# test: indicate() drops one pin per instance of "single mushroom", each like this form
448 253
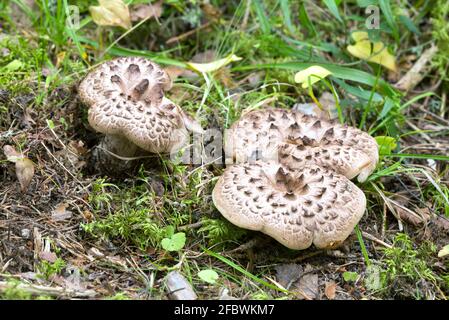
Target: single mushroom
127 103
295 139
295 207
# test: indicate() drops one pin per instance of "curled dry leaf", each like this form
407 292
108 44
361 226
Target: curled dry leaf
12 154
24 166
444 252
60 213
330 290
146 11
24 172
111 13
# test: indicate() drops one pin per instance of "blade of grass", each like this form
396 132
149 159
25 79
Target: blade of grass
362 246
243 271
344 73
119 51
285 8
333 8
385 6
304 18
417 156
263 20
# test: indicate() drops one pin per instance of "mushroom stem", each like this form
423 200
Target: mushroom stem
112 152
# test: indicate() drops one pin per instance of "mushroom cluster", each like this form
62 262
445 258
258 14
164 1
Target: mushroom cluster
291 177
127 103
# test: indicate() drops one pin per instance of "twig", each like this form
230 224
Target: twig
52 291
373 238
187 34
191 226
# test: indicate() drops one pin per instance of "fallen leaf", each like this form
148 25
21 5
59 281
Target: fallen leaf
214 65
375 52
286 274
60 213
24 172
111 13
308 286
311 75
330 290
60 58
12 154
48 256
444 252
144 11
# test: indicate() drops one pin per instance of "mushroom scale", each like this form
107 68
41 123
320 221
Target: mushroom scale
295 207
126 98
295 139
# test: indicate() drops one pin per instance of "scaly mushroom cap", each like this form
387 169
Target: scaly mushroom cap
295 207
296 139
126 97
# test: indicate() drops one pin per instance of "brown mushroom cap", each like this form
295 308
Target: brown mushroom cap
296 139
295 207
126 97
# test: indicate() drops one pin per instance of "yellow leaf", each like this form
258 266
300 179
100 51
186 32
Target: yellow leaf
444 252
111 13
214 65
371 51
314 73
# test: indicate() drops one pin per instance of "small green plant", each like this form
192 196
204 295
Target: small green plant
135 226
217 231
173 241
14 292
99 196
208 275
48 269
118 296
350 276
407 266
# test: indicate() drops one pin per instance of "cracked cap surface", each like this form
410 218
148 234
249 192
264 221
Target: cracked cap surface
295 207
126 97
295 139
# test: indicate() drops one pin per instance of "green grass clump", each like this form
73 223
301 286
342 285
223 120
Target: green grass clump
13 292
135 226
218 231
408 269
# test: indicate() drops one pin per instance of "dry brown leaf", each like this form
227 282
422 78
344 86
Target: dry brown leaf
146 11
308 286
330 290
24 172
48 256
12 154
61 213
